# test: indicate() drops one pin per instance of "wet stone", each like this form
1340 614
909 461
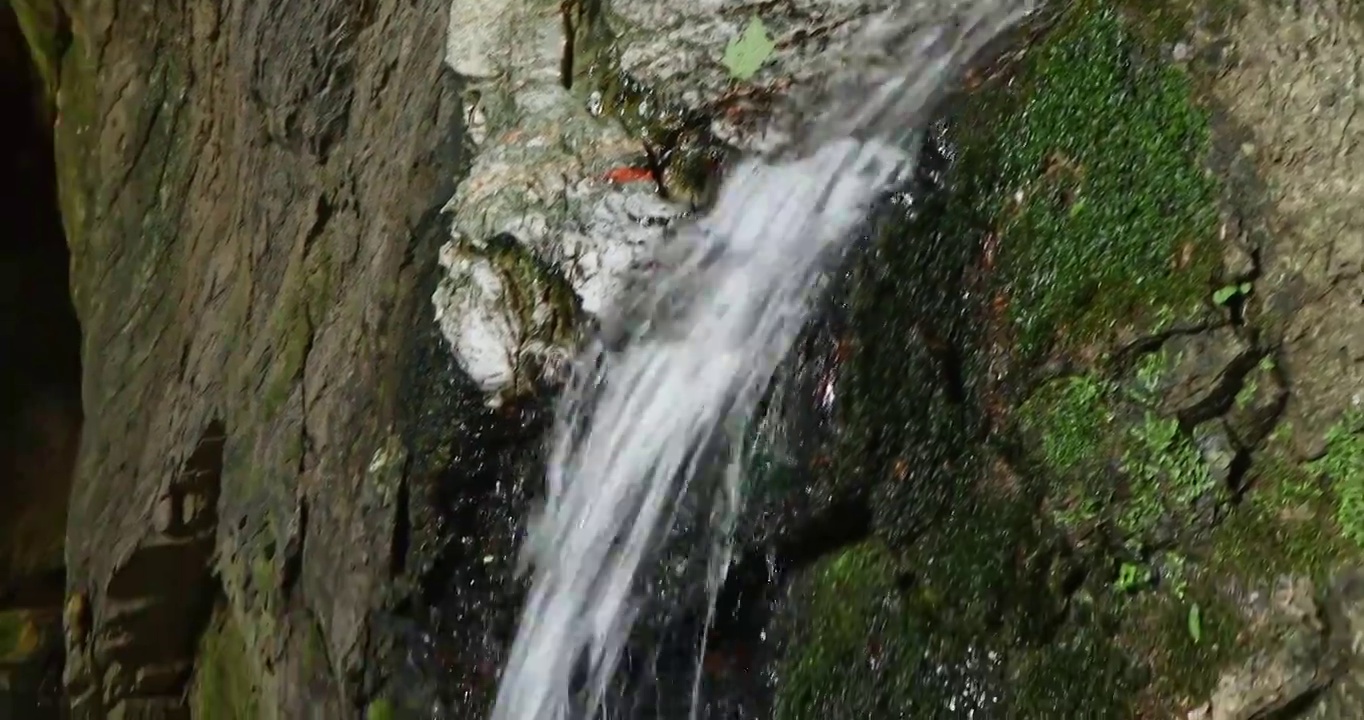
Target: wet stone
1203 369
1292 667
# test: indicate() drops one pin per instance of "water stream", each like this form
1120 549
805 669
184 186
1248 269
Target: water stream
694 348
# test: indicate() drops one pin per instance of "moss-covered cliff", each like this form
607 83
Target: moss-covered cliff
1138 531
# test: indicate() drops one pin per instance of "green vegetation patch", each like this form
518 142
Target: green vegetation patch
1090 170
1166 473
1185 638
380 709
1110 459
1284 524
44 27
1343 467
18 635
835 664
225 685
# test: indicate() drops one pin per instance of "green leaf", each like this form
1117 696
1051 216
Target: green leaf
746 53
1227 292
1195 623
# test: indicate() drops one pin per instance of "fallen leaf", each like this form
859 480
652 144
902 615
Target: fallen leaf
746 53
628 174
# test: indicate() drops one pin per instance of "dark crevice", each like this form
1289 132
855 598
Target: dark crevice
1221 399
293 551
1127 356
159 602
1238 472
1296 708
40 590
40 375
402 531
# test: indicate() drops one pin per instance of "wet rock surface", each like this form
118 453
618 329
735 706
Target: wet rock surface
1076 435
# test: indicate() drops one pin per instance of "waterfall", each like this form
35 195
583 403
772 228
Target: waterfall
688 354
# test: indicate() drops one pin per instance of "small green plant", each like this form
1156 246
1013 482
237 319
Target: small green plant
1149 371
1175 575
1343 466
1132 577
1249 390
1166 471
1224 294
380 709
1195 623
747 52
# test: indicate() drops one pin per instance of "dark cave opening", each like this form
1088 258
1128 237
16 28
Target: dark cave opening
40 394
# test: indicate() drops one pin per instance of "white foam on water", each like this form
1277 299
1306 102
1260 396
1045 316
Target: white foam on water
701 342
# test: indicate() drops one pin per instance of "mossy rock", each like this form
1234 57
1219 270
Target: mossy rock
45 29
1343 468
1088 171
1085 178
226 683
1109 462
854 652
20 635
30 664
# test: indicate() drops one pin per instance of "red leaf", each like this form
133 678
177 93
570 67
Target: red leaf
627 174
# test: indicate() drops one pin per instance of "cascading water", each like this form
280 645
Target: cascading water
697 345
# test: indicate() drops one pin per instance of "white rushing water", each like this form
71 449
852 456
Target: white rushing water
699 343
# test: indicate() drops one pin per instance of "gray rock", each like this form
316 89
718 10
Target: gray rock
1289 669
1310 146
1203 371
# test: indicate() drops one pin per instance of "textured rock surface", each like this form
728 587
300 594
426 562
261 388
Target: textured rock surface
250 194
1304 138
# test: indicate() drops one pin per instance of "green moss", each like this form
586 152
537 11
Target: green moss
74 141
1165 471
225 682
1343 467
1074 423
1086 428
18 636
1284 524
1184 656
847 598
293 333
1090 169
380 709
1077 674
44 27
1074 418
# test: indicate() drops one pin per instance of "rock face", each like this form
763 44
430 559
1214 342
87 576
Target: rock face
1304 147
250 194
